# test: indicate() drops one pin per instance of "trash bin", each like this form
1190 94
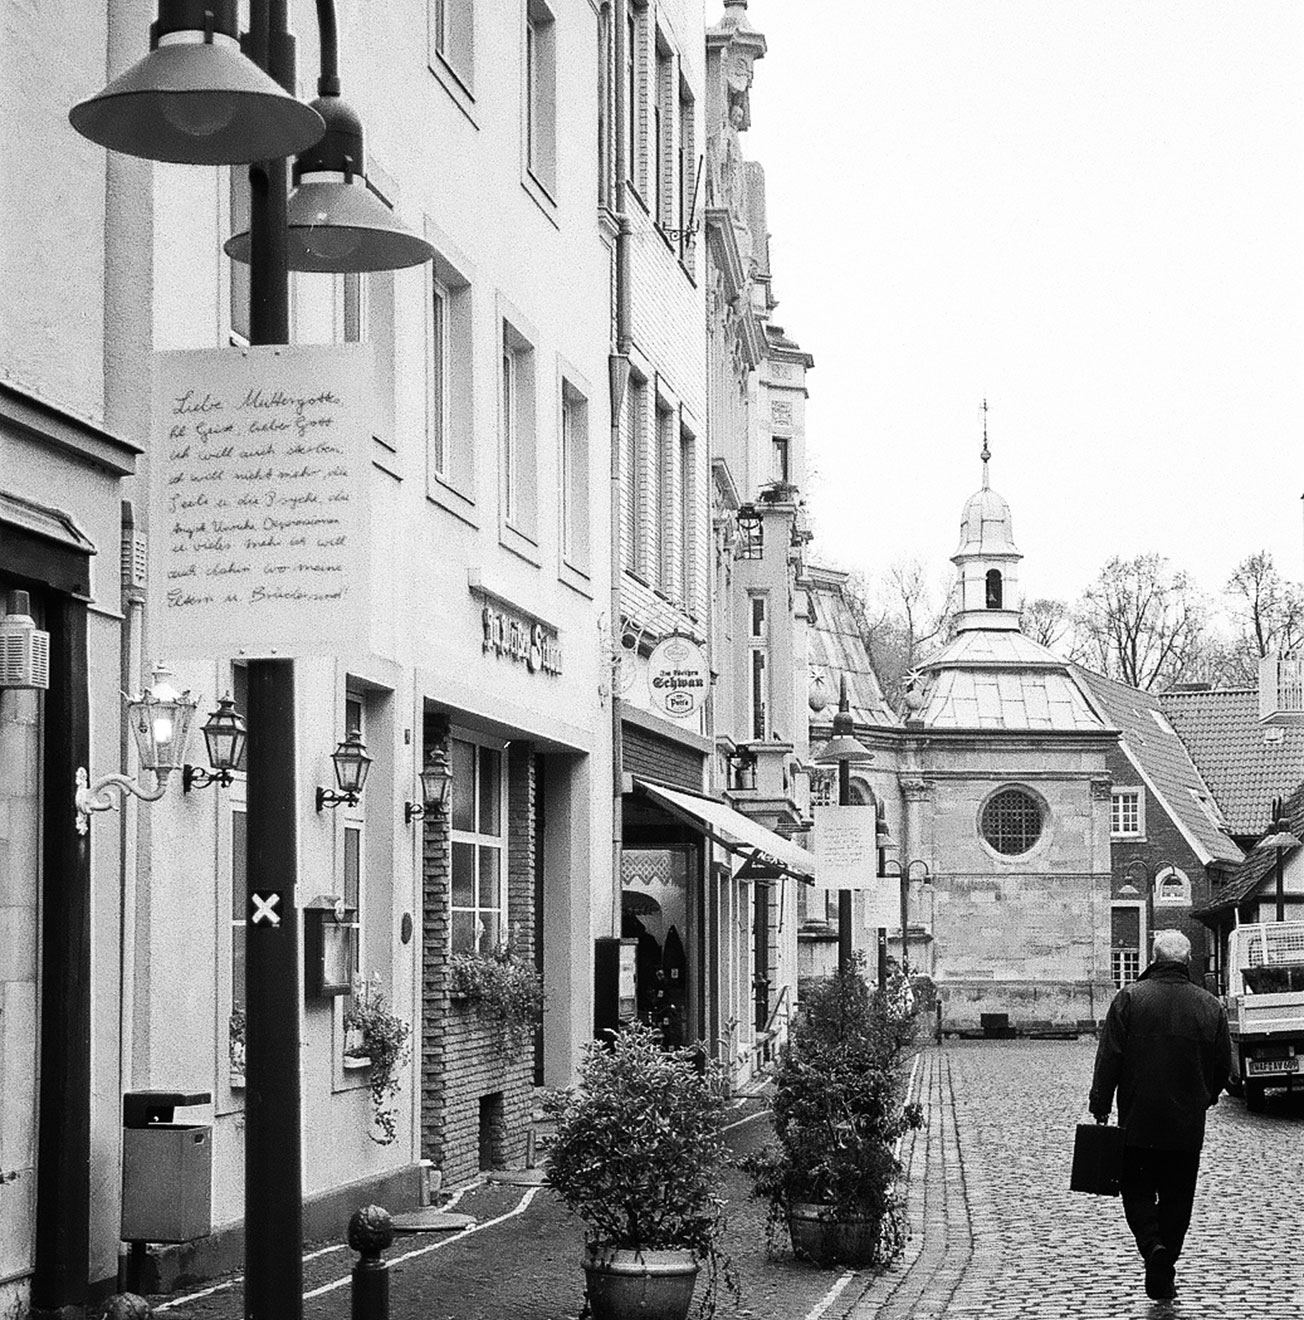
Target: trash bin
167 1168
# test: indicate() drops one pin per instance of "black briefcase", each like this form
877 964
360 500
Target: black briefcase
1097 1159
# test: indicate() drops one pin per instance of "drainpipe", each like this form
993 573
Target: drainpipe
618 373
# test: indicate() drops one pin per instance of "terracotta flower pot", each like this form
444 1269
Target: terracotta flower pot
639 1285
820 1235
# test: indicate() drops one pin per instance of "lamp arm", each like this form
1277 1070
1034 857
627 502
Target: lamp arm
95 797
328 81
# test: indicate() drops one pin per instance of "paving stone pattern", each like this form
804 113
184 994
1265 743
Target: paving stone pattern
997 1234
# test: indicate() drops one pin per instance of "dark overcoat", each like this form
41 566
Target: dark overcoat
1165 1048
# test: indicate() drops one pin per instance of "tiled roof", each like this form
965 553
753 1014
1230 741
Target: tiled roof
837 648
1001 680
1153 744
1245 764
1260 864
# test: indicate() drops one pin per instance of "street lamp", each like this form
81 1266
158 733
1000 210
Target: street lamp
843 750
160 722
904 875
351 765
204 107
1280 838
224 732
436 779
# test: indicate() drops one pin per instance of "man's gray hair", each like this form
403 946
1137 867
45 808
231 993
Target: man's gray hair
1172 946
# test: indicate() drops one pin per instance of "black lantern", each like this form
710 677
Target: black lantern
351 766
225 733
436 779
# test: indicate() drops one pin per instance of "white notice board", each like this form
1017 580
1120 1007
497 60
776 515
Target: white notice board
261 472
846 847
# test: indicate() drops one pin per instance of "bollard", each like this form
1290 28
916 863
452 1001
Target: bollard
125 1306
370 1232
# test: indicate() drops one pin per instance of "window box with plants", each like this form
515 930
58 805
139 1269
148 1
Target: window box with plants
503 990
831 1175
377 1038
638 1156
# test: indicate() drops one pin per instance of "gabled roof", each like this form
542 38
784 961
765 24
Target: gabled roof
1245 764
1152 745
837 648
1246 880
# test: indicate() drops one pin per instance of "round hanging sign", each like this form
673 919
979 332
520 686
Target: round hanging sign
678 676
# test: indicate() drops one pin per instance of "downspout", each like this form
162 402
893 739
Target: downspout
618 372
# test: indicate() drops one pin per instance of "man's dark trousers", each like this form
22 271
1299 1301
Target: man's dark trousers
1158 1190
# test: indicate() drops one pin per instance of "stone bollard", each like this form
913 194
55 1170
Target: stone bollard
370 1232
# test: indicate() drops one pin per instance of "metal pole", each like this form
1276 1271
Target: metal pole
273 1222
905 929
844 895
1281 889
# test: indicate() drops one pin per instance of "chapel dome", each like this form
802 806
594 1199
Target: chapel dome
986 527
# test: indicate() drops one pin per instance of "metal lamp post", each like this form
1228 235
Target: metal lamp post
197 99
903 873
1280 839
843 750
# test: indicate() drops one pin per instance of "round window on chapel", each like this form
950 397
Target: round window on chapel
1012 821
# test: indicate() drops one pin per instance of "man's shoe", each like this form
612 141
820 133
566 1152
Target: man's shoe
1160 1272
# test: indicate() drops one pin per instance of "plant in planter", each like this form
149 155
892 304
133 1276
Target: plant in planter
832 1175
505 991
382 1037
638 1157
236 1047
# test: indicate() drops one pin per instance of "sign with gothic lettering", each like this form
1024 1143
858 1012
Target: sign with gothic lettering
517 634
261 468
678 677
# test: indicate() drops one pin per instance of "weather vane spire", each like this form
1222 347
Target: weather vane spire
987 453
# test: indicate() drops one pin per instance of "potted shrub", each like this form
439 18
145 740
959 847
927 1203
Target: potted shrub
638 1156
505 991
831 1175
382 1039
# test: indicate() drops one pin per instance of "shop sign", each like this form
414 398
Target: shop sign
518 636
678 677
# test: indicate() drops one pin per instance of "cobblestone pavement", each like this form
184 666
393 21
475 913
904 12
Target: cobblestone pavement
995 1234
998 1236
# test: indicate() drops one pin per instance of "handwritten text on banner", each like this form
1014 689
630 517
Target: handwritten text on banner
261 469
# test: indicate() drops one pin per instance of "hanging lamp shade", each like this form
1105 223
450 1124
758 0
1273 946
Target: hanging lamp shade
196 98
336 224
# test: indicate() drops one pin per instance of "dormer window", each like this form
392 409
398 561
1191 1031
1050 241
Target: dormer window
995 590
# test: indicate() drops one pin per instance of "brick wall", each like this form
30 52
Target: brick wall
463 1074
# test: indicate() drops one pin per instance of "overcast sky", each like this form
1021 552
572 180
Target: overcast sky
1090 212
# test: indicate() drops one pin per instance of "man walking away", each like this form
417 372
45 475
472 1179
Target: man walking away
1166 1050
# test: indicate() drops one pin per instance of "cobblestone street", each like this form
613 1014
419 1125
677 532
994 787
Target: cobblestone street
997 1234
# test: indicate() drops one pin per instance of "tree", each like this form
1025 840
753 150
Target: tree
903 618
1267 613
1141 622
1047 621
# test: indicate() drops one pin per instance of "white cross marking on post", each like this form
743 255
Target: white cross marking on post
265 909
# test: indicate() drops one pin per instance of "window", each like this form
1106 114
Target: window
664 517
663 136
351 843
541 94
636 486
516 428
451 32
450 451
994 590
635 22
574 477
758 632
1012 821
239 217
1126 817
688 171
479 848
1124 944
239 904
781 469
687 520
1172 888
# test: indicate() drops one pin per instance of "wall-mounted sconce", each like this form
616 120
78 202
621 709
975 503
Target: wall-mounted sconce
351 766
160 722
435 778
225 734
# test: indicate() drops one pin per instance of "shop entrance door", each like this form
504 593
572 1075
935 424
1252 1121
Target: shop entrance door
658 907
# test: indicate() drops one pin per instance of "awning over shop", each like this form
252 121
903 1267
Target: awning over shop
734 831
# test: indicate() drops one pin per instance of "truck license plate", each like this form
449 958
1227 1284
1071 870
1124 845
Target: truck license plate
1274 1065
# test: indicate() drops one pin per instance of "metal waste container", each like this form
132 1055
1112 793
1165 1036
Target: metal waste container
167 1168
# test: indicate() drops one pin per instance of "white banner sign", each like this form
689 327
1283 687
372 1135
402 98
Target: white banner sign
883 904
261 462
846 847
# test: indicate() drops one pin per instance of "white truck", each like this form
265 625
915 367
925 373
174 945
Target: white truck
1265 1007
